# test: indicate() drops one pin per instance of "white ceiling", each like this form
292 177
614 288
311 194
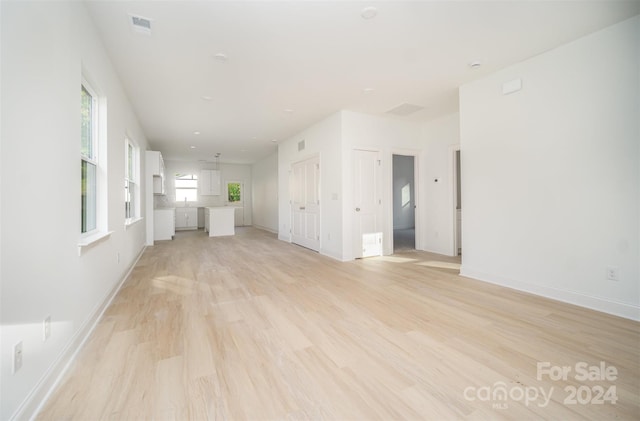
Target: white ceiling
315 58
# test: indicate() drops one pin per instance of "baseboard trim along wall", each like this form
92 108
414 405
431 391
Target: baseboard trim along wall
333 255
34 402
260 227
625 310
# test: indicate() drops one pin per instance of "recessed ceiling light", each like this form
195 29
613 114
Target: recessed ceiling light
369 13
475 64
196 133
288 110
192 147
221 57
206 98
274 140
367 90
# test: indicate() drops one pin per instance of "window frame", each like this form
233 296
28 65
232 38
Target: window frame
226 188
92 159
98 160
132 181
194 177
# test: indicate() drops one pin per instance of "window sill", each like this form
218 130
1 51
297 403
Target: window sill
92 239
130 222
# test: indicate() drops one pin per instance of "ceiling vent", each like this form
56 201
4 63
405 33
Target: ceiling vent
405 109
140 24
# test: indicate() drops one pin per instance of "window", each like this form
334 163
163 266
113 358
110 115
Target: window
406 194
186 187
234 192
93 167
88 159
131 182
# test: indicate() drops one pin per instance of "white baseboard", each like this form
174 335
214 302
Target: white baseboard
333 255
285 237
605 305
34 402
260 227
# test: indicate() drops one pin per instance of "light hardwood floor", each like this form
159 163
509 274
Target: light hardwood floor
249 327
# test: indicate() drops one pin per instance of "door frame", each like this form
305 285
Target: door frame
291 165
354 240
416 191
453 188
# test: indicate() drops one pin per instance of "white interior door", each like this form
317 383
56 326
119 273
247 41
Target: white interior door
305 203
366 197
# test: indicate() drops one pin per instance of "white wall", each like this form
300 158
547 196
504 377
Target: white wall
228 172
265 193
440 138
388 136
323 139
334 139
550 174
45 46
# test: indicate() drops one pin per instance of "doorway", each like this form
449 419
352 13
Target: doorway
404 203
457 203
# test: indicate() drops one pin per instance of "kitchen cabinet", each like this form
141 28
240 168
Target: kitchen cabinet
186 218
209 183
155 169
218 221
163 224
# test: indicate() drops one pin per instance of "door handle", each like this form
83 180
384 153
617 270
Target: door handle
357 209
303 207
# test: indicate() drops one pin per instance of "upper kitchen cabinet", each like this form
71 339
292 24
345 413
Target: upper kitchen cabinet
155 169
210 183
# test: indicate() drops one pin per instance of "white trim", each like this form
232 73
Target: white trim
616 308
308 245
260 227
136 196
91 239
333 255
417 218
99 158
132 221
35 400
355 251
454 198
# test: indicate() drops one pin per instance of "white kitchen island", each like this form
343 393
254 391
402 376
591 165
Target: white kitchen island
219 221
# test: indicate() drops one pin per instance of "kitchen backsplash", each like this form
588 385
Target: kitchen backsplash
168 201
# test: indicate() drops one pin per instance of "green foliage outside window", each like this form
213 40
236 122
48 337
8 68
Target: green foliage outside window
234 192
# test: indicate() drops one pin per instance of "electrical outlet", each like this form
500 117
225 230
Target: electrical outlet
17 357
613 273
46 328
